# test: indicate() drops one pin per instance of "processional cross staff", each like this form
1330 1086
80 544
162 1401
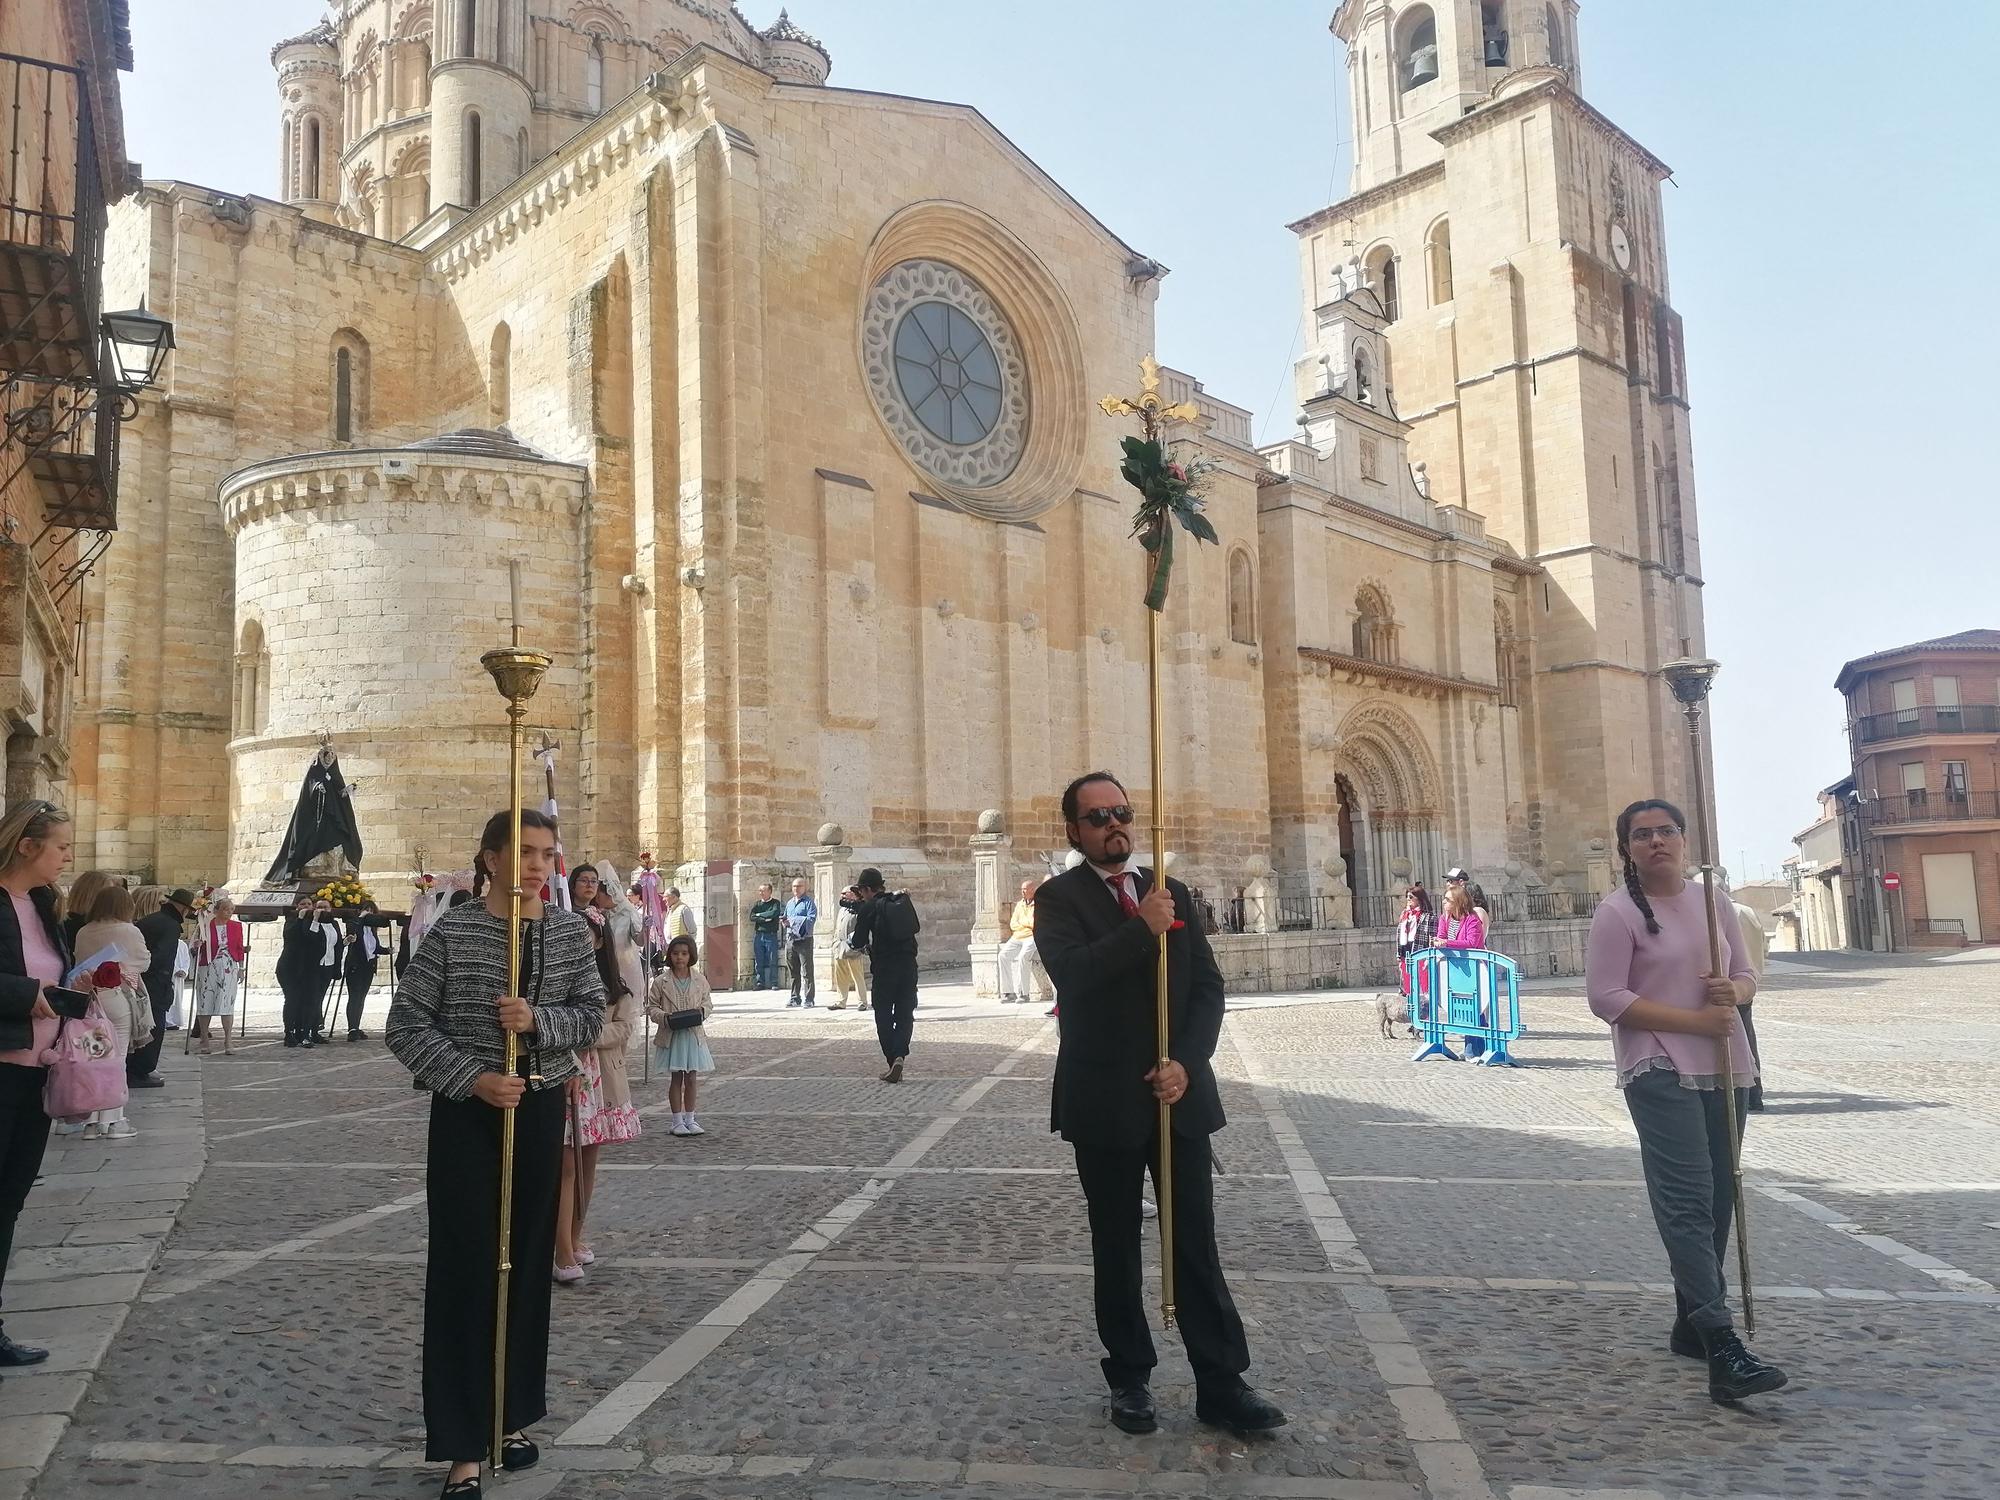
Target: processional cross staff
1170 492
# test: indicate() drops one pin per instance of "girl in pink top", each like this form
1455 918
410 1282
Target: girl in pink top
1649 976
34 851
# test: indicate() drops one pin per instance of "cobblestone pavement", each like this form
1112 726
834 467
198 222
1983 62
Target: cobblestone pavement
852 1289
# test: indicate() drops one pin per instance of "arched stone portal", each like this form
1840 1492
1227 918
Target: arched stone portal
1387 784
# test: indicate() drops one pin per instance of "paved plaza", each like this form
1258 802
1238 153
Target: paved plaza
848 1289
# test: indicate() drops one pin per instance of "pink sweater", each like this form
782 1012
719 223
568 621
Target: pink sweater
1469 931
1624 963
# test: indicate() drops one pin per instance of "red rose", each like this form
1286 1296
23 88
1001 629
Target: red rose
107 976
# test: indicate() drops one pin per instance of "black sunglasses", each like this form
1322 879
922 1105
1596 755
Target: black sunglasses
1104 817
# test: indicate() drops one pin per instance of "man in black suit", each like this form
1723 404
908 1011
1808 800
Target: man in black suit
1097 928
162 932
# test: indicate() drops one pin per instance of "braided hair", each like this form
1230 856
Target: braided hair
1632 886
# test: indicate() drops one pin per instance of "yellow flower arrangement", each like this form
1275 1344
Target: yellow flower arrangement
345 890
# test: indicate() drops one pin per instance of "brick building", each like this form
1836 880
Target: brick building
1923 800
62 161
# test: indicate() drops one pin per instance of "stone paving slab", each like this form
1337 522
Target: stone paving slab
941 1342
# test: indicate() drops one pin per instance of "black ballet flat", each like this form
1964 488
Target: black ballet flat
461 1489
519 1452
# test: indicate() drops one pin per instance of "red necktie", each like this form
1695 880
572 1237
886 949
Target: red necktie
1125 902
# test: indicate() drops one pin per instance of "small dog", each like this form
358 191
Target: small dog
1391 1011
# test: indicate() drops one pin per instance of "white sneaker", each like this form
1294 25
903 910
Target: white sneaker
679 1127
693 1127
121 1130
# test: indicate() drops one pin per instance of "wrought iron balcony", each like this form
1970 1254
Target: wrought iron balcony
1904 809
52 219
1911 723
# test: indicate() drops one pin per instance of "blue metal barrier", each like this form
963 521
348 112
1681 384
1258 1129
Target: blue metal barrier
1466 992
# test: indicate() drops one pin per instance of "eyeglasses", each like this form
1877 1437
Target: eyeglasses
1653 835
1104 817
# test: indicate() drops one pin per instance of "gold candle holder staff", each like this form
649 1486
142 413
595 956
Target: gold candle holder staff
517 673
1691 680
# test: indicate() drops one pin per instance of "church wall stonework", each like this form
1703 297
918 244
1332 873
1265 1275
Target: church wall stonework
767 614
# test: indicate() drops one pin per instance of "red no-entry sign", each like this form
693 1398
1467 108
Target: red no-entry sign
1892 881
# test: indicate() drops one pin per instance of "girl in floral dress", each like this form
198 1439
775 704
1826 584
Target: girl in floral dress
604 1112
682 1052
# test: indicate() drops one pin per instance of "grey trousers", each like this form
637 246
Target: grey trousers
1684 1147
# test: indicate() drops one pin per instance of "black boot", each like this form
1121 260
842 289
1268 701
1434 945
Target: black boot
1684 1340
1733 1371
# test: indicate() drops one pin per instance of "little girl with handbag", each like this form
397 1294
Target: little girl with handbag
679 1001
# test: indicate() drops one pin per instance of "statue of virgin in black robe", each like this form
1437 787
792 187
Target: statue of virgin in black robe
323 820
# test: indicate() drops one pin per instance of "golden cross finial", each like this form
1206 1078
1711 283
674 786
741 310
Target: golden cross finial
1147 405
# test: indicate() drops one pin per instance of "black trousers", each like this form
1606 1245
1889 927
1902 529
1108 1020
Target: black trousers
301 1000
359 978
895 1003
799 965
147 1058
1207 1314
24 1133
462 1278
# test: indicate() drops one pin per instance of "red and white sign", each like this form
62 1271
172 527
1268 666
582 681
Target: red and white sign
1892 881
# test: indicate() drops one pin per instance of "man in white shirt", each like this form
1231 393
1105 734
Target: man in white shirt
364 952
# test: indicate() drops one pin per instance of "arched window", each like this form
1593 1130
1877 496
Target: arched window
1663 350
500 375
1437 258
288 167
1380 269
1364 376
252 701
343 398
1631 332
309 182
1374 626
593 74
1242 599
468 27
1417 49
473 155
1506 661
521 159
350 386
1558 50
1493 32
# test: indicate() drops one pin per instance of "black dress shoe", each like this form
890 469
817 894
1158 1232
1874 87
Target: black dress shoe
467 1488
357 1035
518 1451
291 1041
1733 1371
1132 1410
1237 1409
13 1354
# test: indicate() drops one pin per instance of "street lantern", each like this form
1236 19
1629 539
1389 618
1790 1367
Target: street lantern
138 343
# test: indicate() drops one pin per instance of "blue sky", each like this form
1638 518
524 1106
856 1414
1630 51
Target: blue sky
1832 236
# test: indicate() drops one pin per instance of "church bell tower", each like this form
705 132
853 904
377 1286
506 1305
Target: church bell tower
1514 238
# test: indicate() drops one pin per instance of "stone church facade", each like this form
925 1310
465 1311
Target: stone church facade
785 396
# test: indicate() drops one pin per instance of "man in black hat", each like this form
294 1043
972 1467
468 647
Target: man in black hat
1097 928
162 932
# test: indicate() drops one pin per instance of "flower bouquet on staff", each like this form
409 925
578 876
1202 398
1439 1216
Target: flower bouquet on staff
1169 491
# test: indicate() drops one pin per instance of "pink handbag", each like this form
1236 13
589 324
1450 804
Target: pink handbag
86 1072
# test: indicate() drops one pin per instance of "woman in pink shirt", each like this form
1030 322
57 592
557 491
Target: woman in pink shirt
34 851
1648 972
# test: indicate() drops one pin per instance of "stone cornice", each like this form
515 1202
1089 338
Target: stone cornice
1427 684
1551 90
316 481
1369 198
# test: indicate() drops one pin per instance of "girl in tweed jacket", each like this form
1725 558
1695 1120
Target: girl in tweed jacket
448 1025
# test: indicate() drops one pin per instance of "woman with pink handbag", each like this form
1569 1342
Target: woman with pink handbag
34 851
